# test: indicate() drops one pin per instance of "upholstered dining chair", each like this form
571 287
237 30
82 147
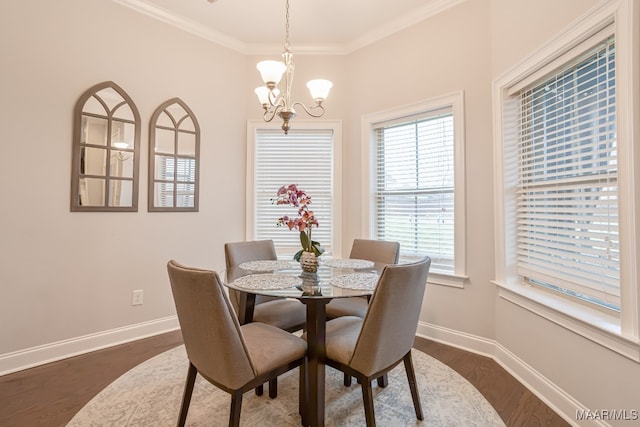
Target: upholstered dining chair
370 347
289 315
232 357
380 251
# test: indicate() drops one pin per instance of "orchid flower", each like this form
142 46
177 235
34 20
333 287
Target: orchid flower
292 196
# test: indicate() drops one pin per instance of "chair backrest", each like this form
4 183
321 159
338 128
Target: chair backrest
236 253
375 250
390 325
210 329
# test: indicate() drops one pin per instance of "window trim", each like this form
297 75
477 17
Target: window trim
454 101
622 334
253 126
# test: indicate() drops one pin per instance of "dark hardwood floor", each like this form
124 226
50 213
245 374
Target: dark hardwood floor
515 404
50 395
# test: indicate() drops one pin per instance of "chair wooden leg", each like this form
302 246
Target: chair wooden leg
347 380
273 388
186 397
259 390
411 377
236 407
367 398
383 381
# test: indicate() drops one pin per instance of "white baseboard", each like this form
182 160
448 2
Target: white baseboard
35 356
557 399
461 340
553 396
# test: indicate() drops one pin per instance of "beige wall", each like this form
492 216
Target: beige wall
58 286
596 377
519 27
447 53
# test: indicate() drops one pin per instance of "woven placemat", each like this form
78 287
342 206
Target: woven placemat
359 281
267 281
265 265
350 263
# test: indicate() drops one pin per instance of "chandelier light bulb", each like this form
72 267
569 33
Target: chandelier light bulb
271 72
266 96
319 89
263 94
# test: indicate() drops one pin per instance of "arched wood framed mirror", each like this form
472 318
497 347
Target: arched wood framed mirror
106 146
174 158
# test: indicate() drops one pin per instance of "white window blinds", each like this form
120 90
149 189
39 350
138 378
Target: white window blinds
304 157
567 205
415 186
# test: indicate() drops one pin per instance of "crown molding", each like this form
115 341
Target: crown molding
432 8
298 49
429 10
184 24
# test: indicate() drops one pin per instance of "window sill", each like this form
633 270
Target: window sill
594 325
451 280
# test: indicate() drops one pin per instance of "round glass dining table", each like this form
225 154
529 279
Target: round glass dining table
335 278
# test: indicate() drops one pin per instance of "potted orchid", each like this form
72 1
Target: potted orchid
291 195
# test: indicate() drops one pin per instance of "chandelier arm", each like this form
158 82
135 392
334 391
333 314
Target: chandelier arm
310 110
271 113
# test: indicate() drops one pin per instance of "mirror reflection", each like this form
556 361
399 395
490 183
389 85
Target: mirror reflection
105 151
173 158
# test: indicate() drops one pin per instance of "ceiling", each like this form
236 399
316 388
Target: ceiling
316 26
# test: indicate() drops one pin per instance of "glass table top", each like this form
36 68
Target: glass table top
335 278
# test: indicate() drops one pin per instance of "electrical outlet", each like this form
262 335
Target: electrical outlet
136 297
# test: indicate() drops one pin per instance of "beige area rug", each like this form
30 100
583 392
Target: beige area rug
150 395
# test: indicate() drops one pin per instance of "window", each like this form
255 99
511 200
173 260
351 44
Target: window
174 154
567 207
418 178
309 157
566 196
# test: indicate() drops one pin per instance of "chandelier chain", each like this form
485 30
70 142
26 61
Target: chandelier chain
286 32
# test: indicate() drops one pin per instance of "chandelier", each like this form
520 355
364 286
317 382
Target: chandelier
279 104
